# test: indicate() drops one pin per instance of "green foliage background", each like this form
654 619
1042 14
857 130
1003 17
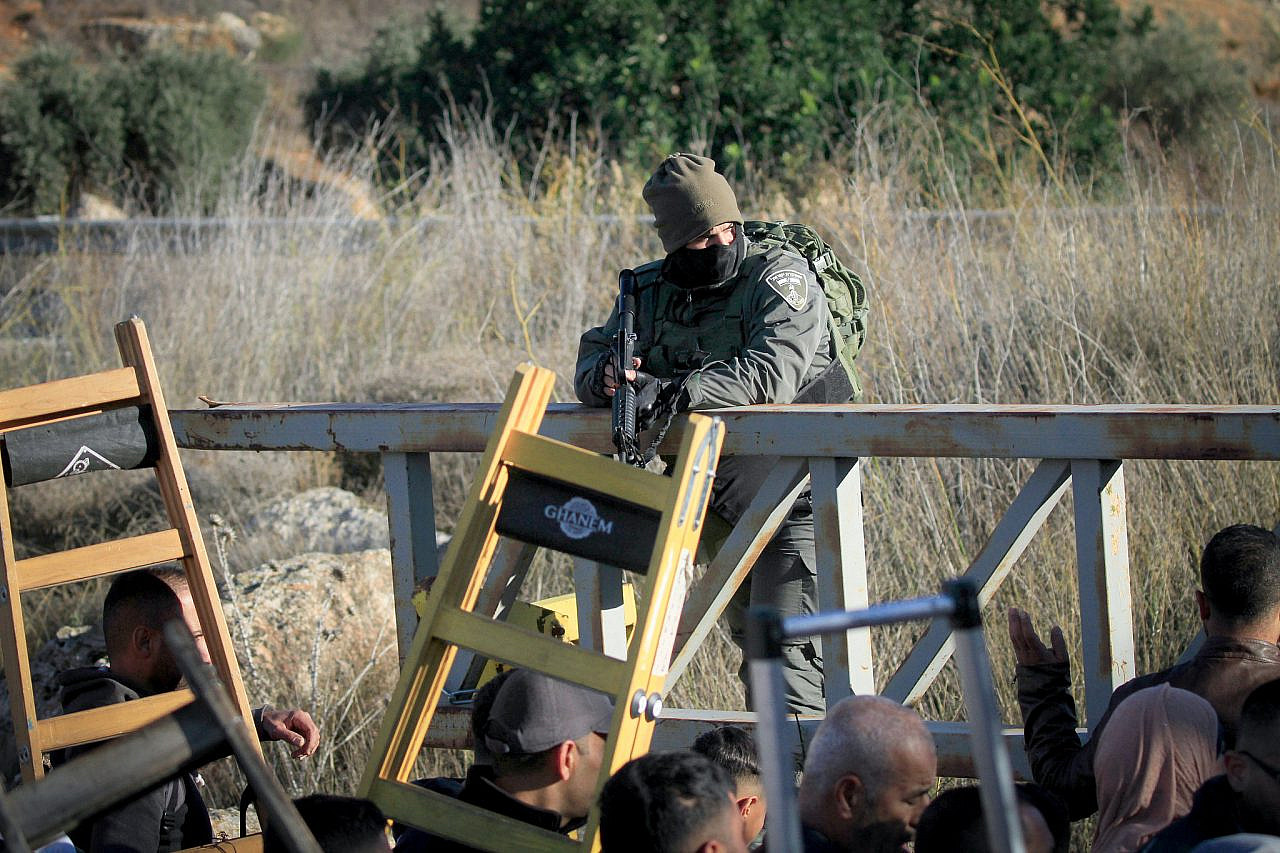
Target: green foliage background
145 130
748 82
769 90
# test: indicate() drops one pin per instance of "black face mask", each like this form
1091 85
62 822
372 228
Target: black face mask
693 268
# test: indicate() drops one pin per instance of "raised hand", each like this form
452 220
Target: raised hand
1028 648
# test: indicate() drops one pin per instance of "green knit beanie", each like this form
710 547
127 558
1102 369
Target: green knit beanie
688 197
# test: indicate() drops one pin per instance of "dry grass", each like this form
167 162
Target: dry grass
1166 295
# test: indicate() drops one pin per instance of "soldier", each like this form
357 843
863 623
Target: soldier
721 321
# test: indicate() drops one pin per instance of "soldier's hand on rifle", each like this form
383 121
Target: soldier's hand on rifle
647 390
656 399
610 375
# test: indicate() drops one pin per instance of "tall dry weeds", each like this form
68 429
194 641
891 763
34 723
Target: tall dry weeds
1165 293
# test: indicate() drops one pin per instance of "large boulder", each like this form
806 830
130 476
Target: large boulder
326 519
310 616
316 631
226 32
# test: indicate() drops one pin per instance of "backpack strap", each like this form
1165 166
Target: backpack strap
170 831
832 385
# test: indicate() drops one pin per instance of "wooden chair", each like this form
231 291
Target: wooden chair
546 493
23 413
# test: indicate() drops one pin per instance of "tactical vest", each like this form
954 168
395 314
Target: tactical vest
680 331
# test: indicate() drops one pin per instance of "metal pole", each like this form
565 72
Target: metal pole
999 802
877 614
200 676
764 653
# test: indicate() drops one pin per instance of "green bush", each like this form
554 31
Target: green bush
749 83
60 133
998 72
148 128
1173 81
188 118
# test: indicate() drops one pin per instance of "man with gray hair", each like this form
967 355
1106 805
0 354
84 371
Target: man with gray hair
867 778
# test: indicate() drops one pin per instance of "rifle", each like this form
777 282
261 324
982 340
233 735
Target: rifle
624 399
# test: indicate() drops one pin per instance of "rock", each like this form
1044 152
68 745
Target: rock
246 39
328 520
311 611
227 33
97 208
276 28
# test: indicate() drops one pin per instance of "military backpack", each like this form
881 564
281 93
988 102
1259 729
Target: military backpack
845 293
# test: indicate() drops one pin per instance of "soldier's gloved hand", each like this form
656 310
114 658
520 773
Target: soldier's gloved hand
647 388
654 400
597 381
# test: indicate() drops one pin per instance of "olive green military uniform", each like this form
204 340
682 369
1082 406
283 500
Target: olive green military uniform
759 337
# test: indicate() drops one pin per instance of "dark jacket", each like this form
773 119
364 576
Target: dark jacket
1224 671
1212 815
480 790
811 841
749 340
170 817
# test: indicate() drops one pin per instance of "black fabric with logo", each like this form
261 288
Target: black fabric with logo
577 521
118 439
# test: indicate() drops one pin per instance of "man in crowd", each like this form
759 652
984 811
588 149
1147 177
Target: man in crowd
735 750
1239 605
1247 797
134 613
867 778
954 821
724 322
670 802
547 740
338 824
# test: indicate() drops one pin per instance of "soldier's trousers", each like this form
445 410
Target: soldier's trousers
785 576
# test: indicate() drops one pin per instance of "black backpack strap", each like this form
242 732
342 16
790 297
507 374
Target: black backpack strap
832 385
169 827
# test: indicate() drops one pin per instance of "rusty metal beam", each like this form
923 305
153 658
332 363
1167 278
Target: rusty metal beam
821 437
411 516
1037 432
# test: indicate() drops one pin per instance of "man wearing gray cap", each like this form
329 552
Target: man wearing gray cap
547 740
721 321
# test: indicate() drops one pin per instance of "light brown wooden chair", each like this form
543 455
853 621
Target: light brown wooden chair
553 495
135 385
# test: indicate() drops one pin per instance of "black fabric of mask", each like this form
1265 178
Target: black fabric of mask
693 268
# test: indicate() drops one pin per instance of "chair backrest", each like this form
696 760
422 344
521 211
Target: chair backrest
554 495
125 407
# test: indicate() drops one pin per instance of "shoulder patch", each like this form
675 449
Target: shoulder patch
791 285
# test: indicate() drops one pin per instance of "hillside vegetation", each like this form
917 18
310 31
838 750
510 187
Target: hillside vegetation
768 91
